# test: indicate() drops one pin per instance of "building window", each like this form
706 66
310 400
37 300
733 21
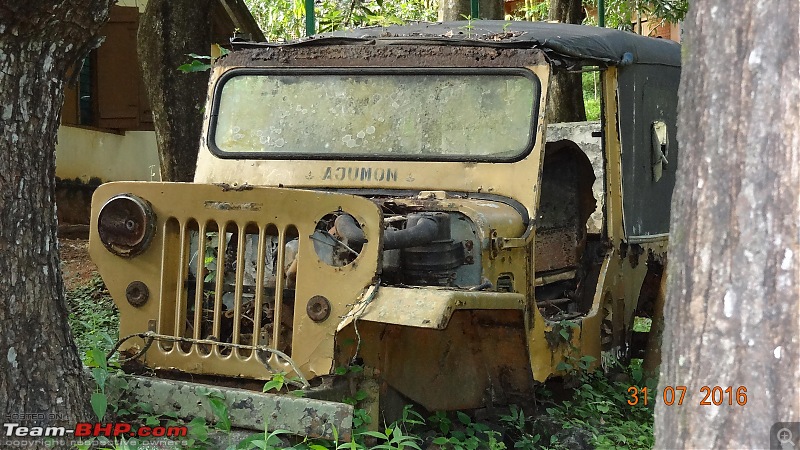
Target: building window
109 93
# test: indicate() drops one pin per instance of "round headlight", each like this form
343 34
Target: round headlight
126 225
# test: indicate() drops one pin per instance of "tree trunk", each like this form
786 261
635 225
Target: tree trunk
168 31
450 10
565 95
41 375
731 314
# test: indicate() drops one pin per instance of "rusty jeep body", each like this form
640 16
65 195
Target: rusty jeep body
387 197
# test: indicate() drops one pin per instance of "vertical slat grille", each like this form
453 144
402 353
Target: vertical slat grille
258 300
202 295
279 282
199 280
229 282
181 297
219 281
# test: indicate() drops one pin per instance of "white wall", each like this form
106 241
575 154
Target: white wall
85 153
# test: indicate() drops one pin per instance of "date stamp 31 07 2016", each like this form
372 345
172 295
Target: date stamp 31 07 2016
680 395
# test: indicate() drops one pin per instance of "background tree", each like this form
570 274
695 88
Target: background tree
731 315
460 9
168 31
621 14
565 95
39 42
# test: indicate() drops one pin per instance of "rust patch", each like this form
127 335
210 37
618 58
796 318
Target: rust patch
232 206
384 56
636 251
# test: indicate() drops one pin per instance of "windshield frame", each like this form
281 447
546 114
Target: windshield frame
368 71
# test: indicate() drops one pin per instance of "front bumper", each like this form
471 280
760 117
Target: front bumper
248 410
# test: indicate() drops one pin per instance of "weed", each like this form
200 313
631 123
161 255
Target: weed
263 441
469 26
100 370
93 318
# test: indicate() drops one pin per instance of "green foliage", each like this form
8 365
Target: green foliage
591 94
263 441
532 11
393 438
276 383
620 14
198 63
99 366
93 319
279 19
466 434
283 20
279 380
599 407
220 410
642 324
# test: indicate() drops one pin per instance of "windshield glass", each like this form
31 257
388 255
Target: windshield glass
479 115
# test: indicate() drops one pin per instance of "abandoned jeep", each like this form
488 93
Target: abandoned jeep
387 199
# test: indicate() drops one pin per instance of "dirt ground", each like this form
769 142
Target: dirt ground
76 265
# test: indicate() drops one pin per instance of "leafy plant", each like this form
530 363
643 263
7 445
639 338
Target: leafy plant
99 367
394 438
517 425
93 318
198 63
220 410
532 11
264 441
620 14
283 20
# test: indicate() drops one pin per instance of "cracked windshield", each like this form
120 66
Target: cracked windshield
391 116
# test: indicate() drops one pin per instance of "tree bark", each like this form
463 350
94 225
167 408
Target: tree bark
565 95
732 310
450 10
41 375
168 31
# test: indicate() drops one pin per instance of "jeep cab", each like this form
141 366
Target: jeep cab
387 198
